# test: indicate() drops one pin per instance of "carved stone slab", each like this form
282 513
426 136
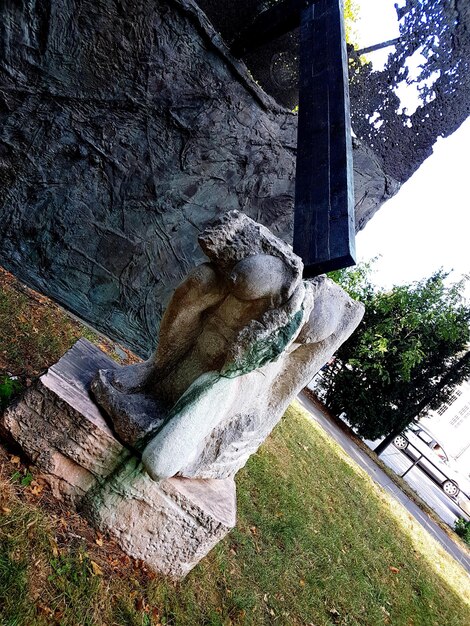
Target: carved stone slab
119 145
62 430
170 525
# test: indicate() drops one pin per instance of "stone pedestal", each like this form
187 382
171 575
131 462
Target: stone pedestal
170 525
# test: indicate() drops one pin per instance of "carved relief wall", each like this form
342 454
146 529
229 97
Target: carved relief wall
125 128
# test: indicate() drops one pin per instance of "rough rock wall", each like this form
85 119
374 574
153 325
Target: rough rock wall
125 127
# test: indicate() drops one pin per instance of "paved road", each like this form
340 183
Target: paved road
382 479
447 508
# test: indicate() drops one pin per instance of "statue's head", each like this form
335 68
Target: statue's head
255 263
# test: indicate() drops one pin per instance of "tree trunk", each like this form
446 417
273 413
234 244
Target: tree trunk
387 441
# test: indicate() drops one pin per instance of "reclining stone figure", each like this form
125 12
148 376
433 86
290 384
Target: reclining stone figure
241 336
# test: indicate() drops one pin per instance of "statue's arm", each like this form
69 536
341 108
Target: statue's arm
182 322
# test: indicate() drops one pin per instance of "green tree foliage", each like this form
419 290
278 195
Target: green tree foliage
408 353
462 528
351 17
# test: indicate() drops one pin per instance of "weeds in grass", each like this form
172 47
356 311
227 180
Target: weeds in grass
9 388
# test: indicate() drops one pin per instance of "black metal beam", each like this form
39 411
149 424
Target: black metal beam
270 24
324 227
378 46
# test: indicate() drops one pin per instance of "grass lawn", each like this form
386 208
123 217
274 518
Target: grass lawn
317 543
35 333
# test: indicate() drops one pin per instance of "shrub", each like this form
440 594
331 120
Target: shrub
462 528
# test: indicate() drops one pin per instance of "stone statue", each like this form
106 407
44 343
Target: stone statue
241 336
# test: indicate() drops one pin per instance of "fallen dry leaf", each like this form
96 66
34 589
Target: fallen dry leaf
5 509
97 571
36 490
395 570
45 609
54 547
156 614
141 605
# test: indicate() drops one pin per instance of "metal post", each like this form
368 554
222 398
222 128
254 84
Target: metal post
412 465
324 226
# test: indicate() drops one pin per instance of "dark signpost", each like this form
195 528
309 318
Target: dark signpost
324 227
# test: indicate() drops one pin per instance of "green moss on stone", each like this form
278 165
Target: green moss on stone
265 351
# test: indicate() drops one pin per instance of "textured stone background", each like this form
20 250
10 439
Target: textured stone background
125 127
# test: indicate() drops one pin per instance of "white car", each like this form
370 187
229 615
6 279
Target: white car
417 443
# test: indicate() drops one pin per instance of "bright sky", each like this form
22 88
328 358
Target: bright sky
427 224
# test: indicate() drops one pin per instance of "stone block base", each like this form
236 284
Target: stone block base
170 525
